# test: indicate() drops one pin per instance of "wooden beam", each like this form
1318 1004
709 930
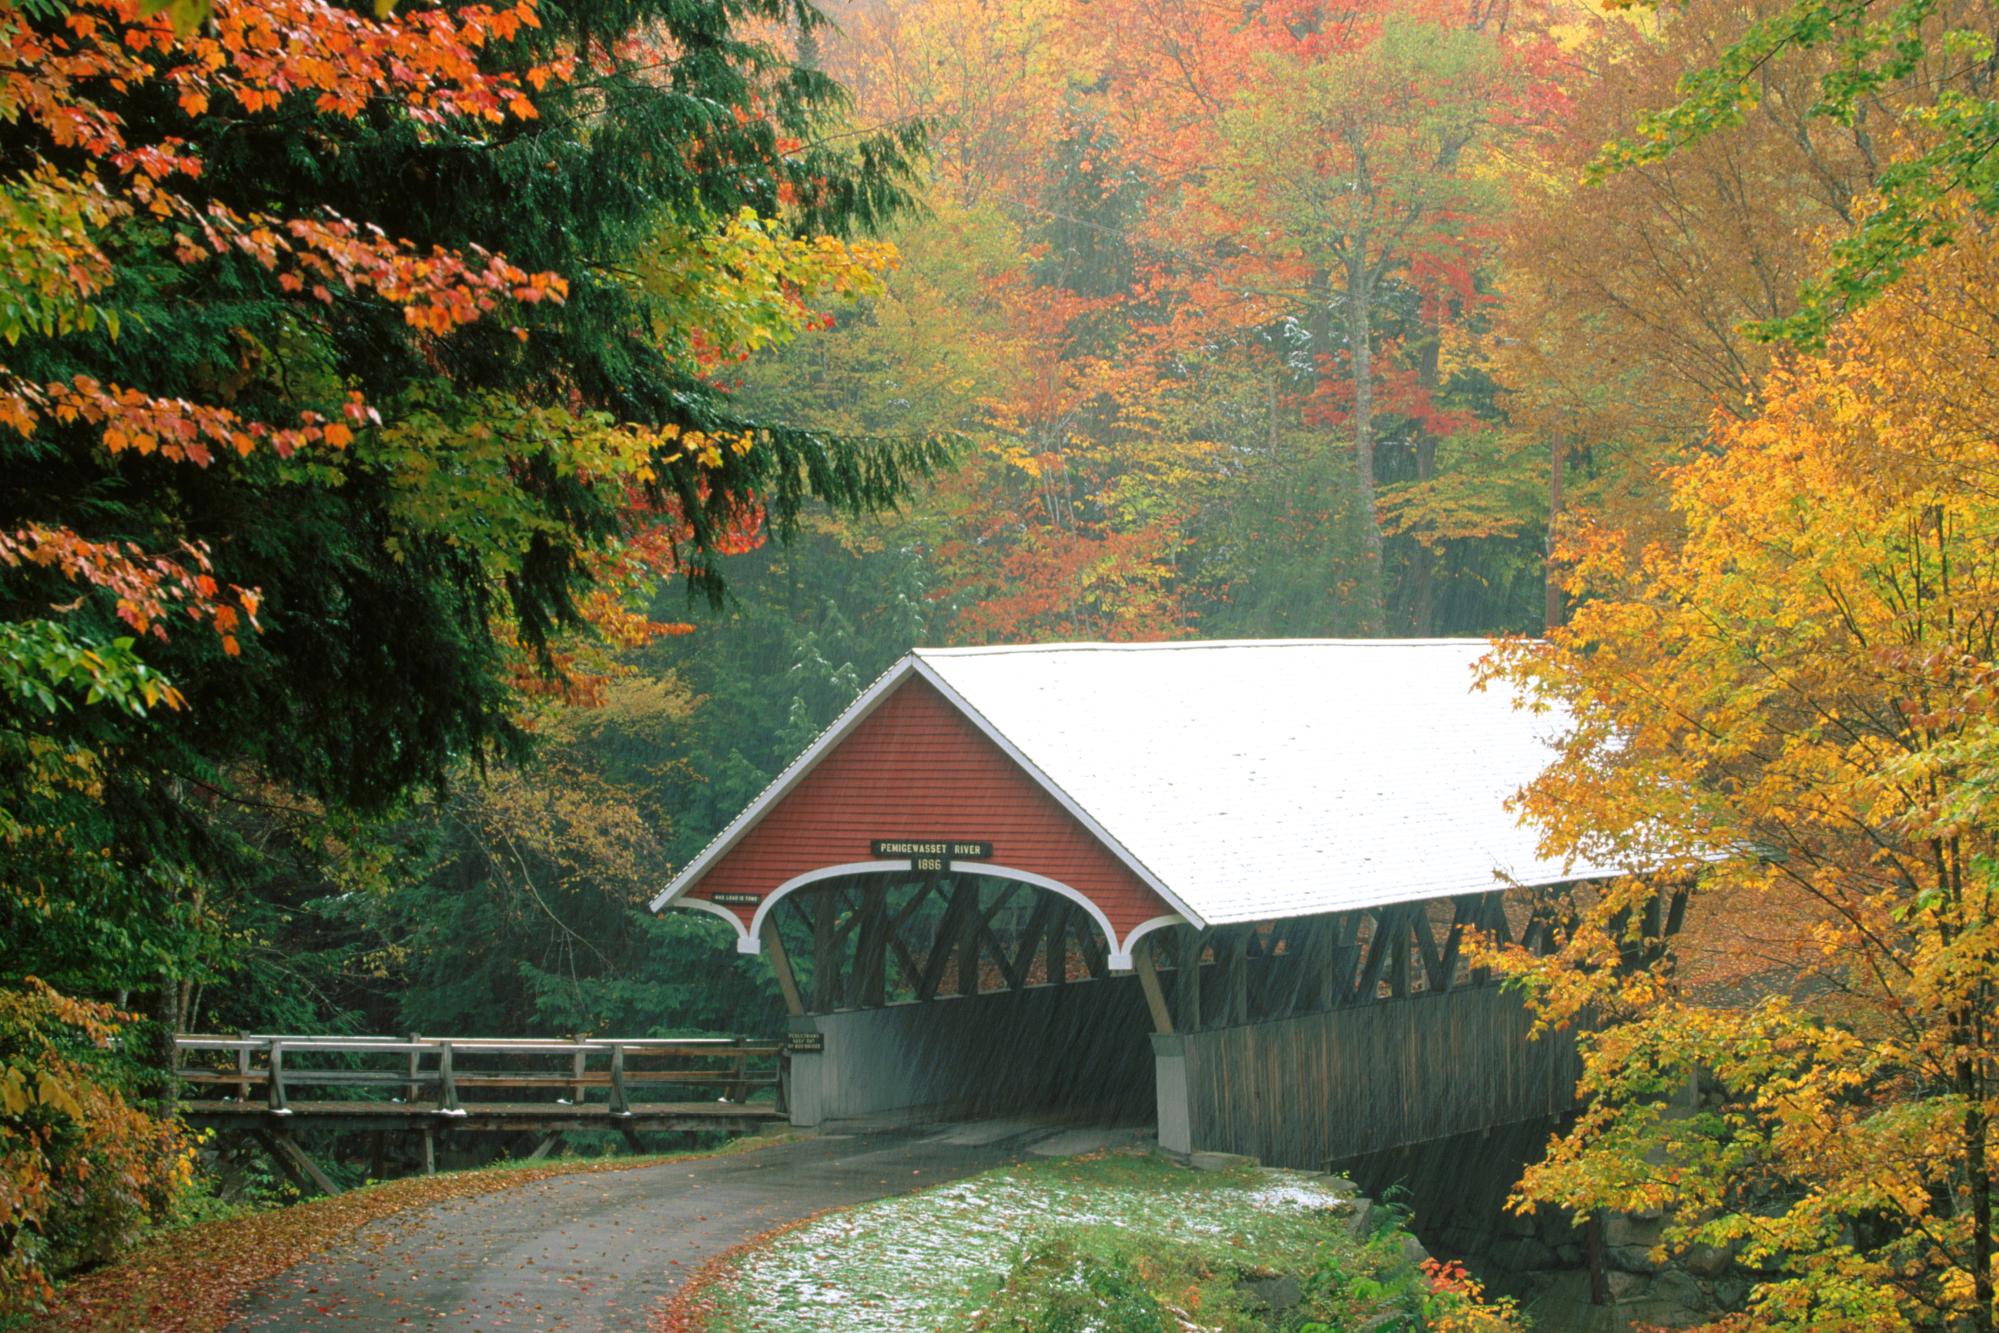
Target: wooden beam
1426 948
1263 945
292 1160
968 945
1676 910
795 904
447 1082
867 985
1148 981
1380 945
1055 951
924 888
905 959
780 964
1237 979
1096 953
1188 982
1463 912
620 1103
905 956
825 965
843 902
1308 955
274 1086
1030 940
1340 965
963 901
1490 917
982 935
1654 927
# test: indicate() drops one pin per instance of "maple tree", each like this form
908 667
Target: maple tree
1345 166
1794 707
1911 82
1625 301
1160 332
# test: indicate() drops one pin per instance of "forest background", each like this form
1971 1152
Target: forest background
962 321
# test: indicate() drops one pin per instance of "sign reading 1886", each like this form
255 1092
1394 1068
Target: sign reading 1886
931 853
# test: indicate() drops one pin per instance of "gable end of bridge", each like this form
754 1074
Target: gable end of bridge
910 760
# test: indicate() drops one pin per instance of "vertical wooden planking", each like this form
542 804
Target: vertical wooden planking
275 1090
1305 1090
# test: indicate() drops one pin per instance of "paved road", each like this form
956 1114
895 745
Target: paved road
601 1251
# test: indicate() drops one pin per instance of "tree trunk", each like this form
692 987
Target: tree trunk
1976 1132
1978 1170
1422 559
167 1008
1552 587
1360 346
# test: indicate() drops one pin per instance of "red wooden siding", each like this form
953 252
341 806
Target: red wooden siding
917 768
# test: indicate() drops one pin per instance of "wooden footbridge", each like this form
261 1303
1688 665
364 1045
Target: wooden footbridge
271 1086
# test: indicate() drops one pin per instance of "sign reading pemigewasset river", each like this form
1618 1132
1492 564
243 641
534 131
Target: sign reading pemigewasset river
931 853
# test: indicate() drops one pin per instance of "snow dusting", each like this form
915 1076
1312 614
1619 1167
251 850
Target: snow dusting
921 1261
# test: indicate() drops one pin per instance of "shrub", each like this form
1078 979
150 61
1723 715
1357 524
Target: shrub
82 1167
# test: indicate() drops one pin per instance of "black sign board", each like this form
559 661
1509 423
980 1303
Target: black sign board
931 853
805 1043
736 899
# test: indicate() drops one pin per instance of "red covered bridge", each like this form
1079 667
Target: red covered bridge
1224 884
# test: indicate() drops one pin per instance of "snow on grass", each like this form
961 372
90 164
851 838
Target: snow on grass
929 1260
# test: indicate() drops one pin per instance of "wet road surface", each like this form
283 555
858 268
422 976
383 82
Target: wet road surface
602 1251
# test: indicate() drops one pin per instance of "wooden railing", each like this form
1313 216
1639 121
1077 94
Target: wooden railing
285 1074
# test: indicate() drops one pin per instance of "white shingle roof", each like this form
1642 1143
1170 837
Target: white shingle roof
1272 778
1255 779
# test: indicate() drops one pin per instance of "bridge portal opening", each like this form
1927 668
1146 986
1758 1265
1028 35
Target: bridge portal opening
956 994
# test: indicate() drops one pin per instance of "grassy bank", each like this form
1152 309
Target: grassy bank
1126 1241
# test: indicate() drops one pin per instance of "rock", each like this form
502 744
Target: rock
1520 1253
1218 1161
1280 1291
1564 1303
1568 1254
1634 1259
1368 1217
1649 1313
1521 1224
1705 1260
1641 1232
1625 1286
1413 1251
1557 1230
1682 1289
1731 1293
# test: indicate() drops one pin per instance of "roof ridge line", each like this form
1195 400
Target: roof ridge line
1169 645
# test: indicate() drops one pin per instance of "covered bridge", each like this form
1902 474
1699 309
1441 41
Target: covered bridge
1223 884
